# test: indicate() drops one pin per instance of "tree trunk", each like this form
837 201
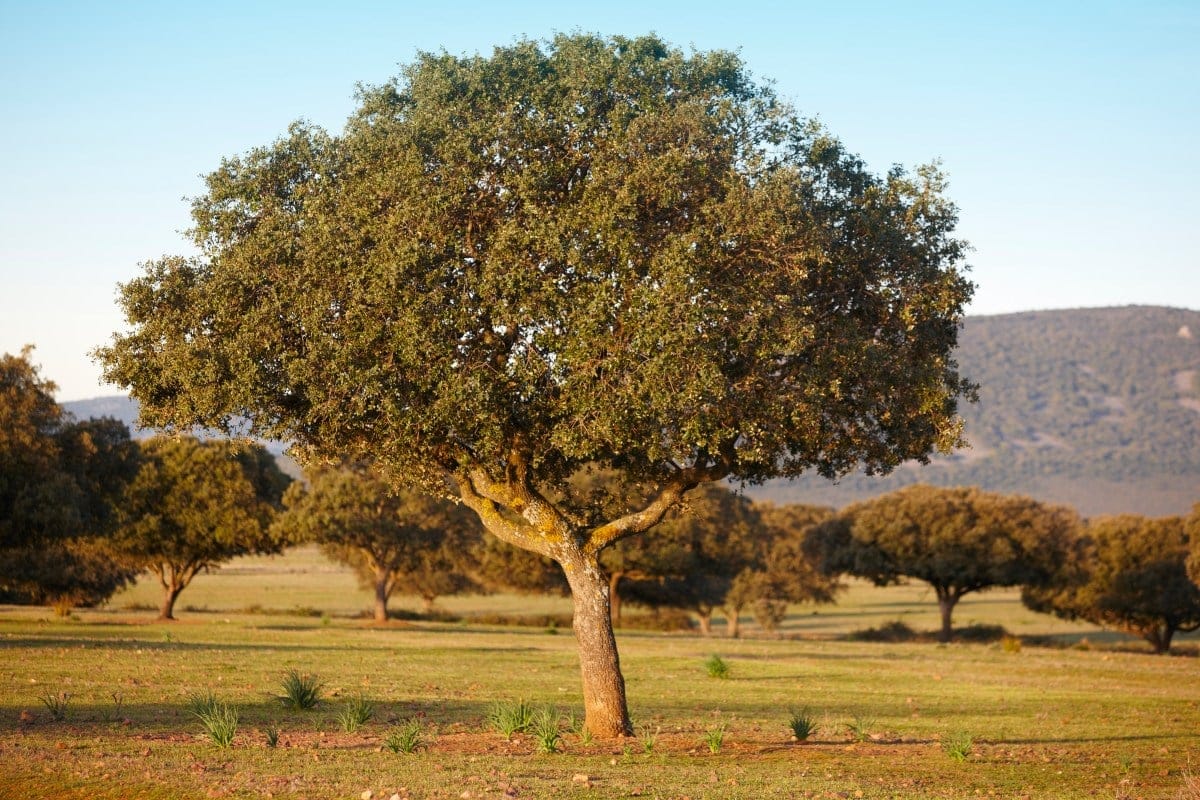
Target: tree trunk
171 590
427 605
733 620
705 622
946 602
381 595
606 714
1160 637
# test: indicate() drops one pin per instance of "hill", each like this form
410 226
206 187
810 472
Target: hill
1097 408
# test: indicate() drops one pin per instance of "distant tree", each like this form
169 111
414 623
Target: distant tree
957 540
60 480
691 558
1131 575
784 571
585 251
395 539
195 505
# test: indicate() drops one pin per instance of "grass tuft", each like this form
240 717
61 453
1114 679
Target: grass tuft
714 738
860 728
543 726
220 723
301 691
404 738
57 703
958 745
802 724
511 717
356 713
716 667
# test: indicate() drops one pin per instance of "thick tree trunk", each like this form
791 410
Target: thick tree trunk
705 623
946 602
606 714
381 595
166 612
1160 637
733 622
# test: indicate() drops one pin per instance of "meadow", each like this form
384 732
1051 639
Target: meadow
1054 710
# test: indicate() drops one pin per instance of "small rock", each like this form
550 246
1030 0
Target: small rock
580 777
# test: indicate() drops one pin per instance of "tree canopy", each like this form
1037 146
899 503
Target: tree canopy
586 252
394 538
196 504
958 541
1130 575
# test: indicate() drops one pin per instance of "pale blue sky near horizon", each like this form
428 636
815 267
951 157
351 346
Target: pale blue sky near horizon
1068 129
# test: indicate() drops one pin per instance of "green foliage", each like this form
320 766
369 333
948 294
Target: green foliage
511 717
220 722
543 727
716 667
394 538
271 732
958 745
301 691
648 737
60 483
957 540
802 724
57 703
860 727
196 504
714 739
1128 573
405 737
200 702
355 713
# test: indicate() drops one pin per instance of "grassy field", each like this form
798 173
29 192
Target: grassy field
1097 719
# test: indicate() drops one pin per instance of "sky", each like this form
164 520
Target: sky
1069 130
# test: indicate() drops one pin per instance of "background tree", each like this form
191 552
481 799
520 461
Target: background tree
59 482
691 558
581 252
958 541
784 571
1131 575
395 539
195 505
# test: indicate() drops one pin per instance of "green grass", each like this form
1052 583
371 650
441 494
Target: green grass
1046 722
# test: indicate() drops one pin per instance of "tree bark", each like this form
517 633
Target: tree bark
946 602
705 623
606 714
166 611
381 595
733 622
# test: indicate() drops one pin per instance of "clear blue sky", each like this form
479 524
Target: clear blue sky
1069 129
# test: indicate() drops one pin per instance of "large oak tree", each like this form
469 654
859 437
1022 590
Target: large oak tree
586 251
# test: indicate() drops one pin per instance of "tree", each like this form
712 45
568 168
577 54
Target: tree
582 252
784 571
958 540
59 482
1130 575
196 504
691 558
394 538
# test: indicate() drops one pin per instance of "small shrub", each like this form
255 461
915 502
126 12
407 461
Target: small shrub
714 738
958 746
56 703
648 738
716 667
404 738
357 711
220 722
509 718
802 724
301 691
860 728
543 726
201 702
1010 644
272 734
